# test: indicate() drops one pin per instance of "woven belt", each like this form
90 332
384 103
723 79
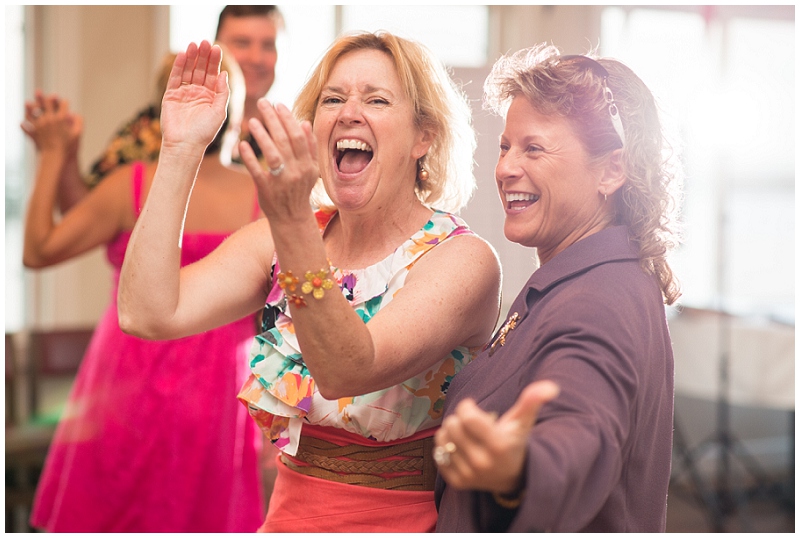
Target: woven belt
364 465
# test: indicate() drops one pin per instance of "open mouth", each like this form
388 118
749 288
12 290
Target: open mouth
518 201
352 156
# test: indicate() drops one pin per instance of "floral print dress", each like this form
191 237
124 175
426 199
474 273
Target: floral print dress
281 395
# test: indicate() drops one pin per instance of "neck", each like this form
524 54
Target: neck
349 247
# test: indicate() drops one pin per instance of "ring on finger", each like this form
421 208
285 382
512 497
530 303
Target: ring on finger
441 454
277 170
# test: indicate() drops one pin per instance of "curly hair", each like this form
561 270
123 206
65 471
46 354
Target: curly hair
647 203
439 107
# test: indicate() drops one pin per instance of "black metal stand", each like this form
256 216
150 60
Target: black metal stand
720 495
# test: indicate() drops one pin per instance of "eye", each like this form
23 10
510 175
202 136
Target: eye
503 149
533 149
378 101
330 100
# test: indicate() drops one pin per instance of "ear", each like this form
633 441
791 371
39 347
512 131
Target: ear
613 175
423 144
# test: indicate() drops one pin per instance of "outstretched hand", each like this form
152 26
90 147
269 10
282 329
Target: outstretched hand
51 125
488 453
195 102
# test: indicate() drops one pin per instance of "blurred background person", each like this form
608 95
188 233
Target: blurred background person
152 438
250 33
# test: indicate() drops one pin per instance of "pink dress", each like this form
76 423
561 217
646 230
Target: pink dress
153 438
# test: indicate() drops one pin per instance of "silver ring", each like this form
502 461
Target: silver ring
441 454
276 171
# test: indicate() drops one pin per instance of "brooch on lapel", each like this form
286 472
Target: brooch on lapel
507 327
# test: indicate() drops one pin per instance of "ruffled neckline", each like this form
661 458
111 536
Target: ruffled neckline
373 280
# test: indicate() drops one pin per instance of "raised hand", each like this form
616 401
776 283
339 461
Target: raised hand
289 169
487 453
51 125
195 102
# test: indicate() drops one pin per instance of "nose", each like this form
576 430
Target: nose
252 56
507 168
351 112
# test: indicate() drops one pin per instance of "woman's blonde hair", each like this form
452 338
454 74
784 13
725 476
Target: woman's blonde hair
440 107
647 203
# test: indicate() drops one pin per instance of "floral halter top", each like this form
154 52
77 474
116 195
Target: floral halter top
280 393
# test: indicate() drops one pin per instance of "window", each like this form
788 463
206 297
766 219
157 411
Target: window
462 42
732 79
15 167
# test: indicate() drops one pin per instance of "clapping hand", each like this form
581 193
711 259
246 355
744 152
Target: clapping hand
289 169
195 102
477 450
51 125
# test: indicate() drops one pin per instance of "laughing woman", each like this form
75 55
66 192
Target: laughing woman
371 305
584 179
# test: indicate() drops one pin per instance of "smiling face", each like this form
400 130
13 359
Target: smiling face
251 40
368 142
551 195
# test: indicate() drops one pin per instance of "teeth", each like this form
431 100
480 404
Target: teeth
519 197
353 144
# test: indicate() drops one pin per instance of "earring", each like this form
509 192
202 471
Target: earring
605 197
422 175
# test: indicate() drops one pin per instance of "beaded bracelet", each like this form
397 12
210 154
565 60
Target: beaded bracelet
315 284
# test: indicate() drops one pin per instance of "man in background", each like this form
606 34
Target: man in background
249 33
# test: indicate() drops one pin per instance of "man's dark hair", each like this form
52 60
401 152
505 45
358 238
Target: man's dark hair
249 11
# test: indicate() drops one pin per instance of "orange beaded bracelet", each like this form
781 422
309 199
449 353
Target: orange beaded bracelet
315 284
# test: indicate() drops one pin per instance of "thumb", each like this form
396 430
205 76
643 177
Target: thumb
530 401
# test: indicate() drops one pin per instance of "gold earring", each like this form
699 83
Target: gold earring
423 174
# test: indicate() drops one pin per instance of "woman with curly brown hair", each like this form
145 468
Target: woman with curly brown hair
564 422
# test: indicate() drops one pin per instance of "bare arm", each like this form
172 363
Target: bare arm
88 224
71 188
157 299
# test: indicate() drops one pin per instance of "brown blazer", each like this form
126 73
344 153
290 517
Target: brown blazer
599 456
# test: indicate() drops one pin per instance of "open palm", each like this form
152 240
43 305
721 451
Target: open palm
195 102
